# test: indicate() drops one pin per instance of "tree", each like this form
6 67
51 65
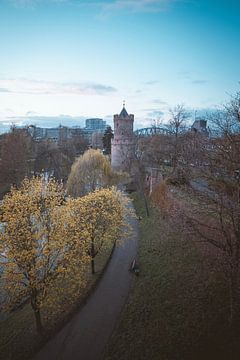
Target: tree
155 151
51 160
74 146
107 138
177 125
90 171
101 216
219 221
15 157
38 244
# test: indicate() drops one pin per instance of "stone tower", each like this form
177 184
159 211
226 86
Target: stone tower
123 144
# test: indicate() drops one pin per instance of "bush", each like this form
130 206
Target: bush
179 177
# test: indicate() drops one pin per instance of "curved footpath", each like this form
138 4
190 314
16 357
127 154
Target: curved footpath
86 335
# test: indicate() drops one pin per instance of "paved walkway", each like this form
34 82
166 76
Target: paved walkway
86 335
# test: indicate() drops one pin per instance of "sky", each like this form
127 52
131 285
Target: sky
63 61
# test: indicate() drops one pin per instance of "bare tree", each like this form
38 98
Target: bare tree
50 159
177 126
219 222
16 156
74 146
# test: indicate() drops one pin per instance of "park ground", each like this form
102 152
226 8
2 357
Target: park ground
178 307
19 339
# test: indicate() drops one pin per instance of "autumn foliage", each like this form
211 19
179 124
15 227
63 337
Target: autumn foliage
48 239
91 171
99 217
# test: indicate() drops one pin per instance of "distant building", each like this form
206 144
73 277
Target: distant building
94 126
200 126
123 142
54 134
97 140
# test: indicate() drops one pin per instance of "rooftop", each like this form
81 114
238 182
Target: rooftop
123 113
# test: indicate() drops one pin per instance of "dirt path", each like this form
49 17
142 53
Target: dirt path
86 335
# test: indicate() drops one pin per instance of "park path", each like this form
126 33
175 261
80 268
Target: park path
86 335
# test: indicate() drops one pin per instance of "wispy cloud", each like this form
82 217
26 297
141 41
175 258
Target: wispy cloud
159 101
199 82
43 121
107 7
195 78
28 86
186 75
151 82
153 113
3 90
136 5
32 3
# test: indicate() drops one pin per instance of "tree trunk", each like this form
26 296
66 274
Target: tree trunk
146 205
93 266
38 320
37 315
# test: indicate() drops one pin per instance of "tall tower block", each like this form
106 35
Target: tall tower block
123 144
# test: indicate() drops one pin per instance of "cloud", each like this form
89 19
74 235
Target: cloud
135 5
32 3
159 101
106 7
193 77
36 87
153 113
186 75
3 90
31 113
199 82
151 82
43 121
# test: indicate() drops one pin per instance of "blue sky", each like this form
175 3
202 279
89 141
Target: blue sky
64 60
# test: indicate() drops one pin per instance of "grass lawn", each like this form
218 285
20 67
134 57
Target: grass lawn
18 337
178 306
3 189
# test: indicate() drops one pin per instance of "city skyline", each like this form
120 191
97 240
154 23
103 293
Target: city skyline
68 60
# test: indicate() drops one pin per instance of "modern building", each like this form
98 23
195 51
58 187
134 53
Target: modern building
93 127
92 132
95 124
123 142
53 134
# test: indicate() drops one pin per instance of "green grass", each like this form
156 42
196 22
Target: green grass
178 306
18 337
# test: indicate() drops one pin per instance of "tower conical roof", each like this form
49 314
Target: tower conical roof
123 113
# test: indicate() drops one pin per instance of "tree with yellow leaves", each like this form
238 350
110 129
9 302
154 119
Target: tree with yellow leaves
92 171
37 243
100 215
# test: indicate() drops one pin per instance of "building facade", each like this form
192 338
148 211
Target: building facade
94 129
95 124
123 142
200 126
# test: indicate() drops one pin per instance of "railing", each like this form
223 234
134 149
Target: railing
151 131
